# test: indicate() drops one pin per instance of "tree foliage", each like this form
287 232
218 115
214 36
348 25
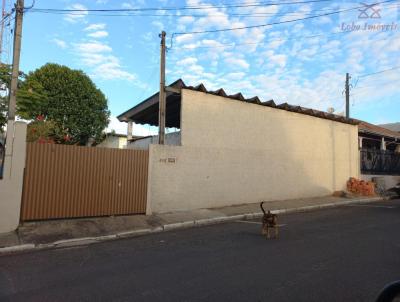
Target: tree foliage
69 99
71 108
5 80
5 77
41 131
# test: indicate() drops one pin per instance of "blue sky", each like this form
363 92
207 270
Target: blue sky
300 63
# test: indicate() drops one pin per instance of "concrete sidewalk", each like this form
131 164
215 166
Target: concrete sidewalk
82 231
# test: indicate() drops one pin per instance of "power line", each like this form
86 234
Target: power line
137 14
378 72
225 45
272 23
243 15
375 84
254 4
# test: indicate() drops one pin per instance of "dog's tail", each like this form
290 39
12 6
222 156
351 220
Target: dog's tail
262 209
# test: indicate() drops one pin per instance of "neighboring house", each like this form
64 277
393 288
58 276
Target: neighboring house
142 143
235 150
392 126
373 137
379 154
114 140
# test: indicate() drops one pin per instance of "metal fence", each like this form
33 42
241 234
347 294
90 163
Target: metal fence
379 162
63 181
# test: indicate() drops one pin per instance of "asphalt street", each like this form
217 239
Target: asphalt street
340 254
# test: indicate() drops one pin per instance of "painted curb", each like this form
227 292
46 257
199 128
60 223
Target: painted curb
73 242
17 248
134 233
174 226
178 225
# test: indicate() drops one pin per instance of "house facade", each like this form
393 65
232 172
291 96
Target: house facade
232 150
114 140
379 154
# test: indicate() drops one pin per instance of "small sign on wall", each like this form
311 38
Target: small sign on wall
168 160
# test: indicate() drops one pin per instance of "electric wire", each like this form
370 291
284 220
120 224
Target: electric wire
254 4
227 45
378 72
272 23
137 14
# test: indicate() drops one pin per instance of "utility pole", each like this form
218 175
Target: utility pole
161 96
19 11
3 15
347 91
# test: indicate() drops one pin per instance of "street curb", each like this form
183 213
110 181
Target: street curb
173 226
17 248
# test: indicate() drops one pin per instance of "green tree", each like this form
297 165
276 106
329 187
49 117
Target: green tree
5 80
5 77
69 99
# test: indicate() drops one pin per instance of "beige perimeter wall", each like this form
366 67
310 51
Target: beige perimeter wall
234 153
13 176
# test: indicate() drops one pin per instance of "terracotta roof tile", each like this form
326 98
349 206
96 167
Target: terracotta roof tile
255 100
374 129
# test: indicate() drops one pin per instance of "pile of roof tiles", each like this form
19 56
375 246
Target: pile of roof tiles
284 106
361 187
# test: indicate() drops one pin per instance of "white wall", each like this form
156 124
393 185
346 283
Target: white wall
234 152
13 176
173 138
113 141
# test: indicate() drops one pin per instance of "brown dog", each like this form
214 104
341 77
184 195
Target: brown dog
269 221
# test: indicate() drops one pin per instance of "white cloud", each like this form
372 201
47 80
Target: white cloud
158 24
211 43
237 63
279 65
323 20
103 64
92 47
78 16
184 38
187 61
110 69
133 4
215 19
106 67
275 59
235 76
275 44
302 12
127 5
60 43
122 127
95 26
186 19
98 34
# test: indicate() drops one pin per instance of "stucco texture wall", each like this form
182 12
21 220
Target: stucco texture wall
13 176
234 153
113 142
173 138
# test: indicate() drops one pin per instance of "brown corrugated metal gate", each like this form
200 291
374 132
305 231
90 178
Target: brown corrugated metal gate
70 181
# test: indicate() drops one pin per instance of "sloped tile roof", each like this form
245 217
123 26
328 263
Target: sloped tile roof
284 106
374 129
146 112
